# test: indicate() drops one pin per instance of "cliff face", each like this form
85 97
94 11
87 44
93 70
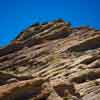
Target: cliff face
51 61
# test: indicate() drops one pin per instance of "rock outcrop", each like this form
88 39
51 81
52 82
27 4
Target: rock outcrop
51 61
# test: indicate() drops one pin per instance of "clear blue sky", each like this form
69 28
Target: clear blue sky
16 15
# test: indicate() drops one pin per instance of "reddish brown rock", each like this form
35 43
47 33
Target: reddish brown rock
51 61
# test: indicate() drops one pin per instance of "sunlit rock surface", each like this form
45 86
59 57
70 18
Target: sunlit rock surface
51 61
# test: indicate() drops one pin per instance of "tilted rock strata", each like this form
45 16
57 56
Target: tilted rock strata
51 61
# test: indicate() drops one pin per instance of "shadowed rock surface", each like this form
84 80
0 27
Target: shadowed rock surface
51 61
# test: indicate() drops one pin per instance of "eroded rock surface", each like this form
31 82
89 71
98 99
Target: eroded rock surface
51 61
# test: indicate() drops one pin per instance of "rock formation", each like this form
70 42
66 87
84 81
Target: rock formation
51 61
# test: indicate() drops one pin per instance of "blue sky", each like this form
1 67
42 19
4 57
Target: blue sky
16 15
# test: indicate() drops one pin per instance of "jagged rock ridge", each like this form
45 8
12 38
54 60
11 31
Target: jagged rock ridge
51 61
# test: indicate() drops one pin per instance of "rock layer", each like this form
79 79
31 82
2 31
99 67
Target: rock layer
51 61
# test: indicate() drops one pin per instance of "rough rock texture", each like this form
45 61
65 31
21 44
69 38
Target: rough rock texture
51 61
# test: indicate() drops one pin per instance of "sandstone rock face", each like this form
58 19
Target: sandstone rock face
51 61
